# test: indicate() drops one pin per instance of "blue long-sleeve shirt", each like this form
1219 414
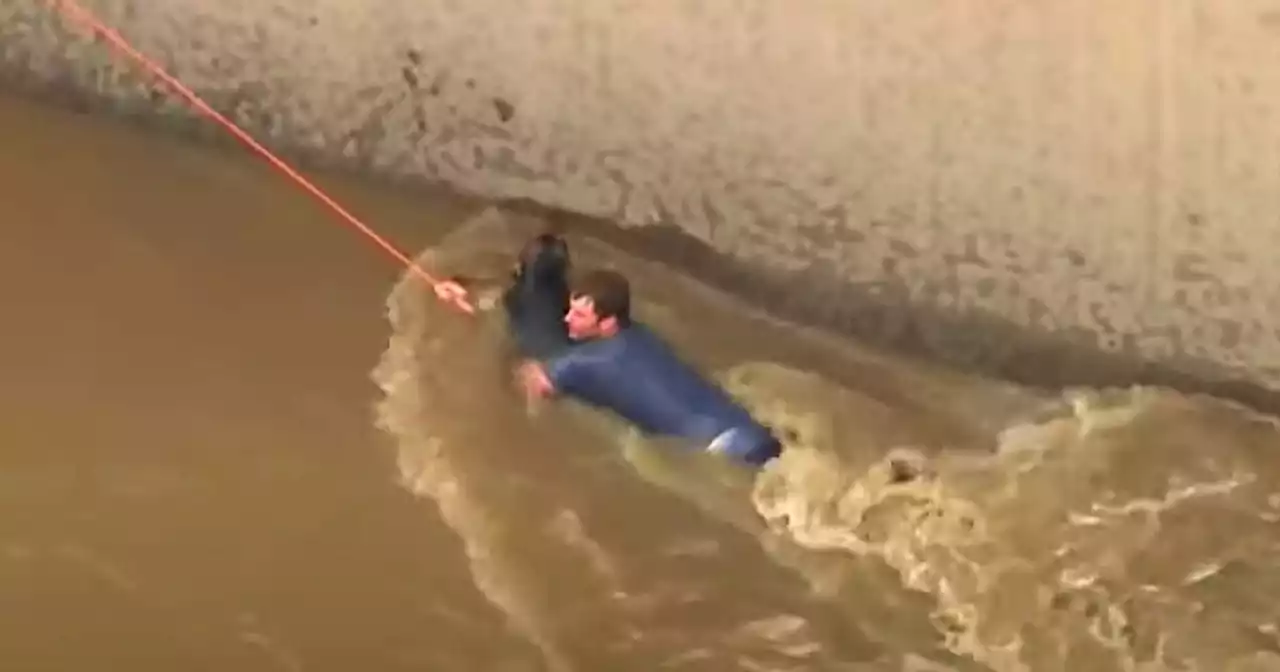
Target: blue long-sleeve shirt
638 376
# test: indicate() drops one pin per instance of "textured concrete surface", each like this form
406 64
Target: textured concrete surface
1088 176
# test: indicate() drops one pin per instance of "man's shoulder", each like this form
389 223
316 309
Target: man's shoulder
642 336
582 356
639 343
635 343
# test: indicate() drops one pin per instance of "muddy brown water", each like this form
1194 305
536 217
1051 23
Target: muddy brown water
236 438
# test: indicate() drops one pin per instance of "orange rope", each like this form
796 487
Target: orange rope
83 17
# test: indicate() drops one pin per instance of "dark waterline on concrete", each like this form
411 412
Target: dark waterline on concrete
978 342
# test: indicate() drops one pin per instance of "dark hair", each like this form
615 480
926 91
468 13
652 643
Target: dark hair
610 293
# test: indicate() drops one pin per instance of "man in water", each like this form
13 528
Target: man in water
596 353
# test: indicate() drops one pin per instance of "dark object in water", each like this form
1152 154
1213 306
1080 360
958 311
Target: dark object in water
538 298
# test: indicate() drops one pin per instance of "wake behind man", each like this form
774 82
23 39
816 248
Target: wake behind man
581 341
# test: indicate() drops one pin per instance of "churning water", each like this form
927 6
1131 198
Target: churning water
919 520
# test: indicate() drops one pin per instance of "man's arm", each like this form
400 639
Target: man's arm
535 381
559 376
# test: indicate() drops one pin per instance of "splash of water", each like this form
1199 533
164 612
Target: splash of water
1097 532
1096 537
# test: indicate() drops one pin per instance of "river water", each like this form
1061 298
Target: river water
236 437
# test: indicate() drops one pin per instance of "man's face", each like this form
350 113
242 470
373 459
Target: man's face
582 320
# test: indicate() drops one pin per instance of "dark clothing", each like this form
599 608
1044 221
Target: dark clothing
537 300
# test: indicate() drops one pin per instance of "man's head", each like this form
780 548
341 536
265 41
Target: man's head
600 305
